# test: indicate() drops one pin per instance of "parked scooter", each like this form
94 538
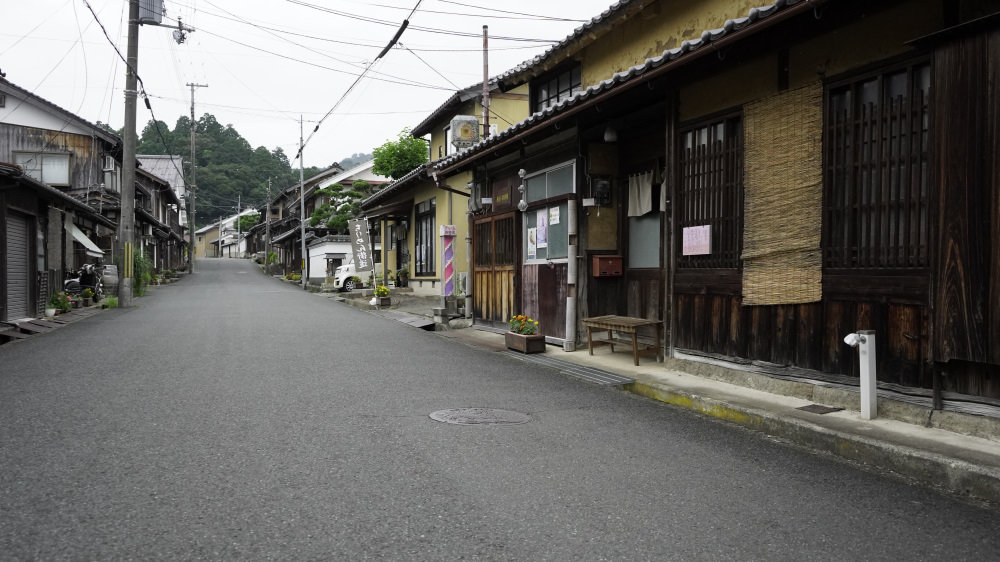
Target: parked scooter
87 278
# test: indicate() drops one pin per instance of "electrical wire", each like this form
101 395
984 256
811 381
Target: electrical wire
395 38
535 16
415 28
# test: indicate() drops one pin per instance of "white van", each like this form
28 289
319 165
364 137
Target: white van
346 278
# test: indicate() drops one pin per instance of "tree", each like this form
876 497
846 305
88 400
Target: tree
247 222
397 158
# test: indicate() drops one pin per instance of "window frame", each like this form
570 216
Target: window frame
869 223
21 156
424 247
721 205
550 200
574 83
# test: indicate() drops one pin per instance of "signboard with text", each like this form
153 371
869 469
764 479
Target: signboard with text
361 245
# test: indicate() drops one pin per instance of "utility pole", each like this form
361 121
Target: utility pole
267 230
126 219
302 208
239 227
191 188
486 84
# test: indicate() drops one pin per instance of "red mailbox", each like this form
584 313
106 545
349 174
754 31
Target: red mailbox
607 266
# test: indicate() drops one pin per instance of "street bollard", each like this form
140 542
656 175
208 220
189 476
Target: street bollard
864 340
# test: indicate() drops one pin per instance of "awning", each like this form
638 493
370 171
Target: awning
91 248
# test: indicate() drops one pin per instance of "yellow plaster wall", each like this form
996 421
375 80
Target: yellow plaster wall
201 246
884 36
504 114
660 26
733 88
872 39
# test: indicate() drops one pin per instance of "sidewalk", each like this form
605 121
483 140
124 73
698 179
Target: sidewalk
952 450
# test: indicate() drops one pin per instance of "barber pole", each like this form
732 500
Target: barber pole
448 233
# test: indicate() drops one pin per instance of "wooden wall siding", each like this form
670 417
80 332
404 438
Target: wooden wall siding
494 257
993 322
968 246
543 297
808 336
644 297
84 161
493 296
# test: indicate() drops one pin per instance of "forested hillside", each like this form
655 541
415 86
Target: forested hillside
229 169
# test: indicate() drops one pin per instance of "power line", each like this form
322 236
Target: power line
395 38
415 28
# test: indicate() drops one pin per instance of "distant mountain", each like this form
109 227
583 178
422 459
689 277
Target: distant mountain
230 172
354 159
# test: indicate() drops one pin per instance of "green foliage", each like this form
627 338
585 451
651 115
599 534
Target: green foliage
111 302
228 167
247 222
61 301
272 257
142 271
397 158
87 293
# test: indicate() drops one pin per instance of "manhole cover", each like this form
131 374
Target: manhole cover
479 416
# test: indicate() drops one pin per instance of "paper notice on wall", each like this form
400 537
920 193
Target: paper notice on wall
541 224
697 240
532 243
554 215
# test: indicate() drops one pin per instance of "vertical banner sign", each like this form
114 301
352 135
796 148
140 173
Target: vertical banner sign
448 233
361 245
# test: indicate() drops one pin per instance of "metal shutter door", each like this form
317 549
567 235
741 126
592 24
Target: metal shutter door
18 287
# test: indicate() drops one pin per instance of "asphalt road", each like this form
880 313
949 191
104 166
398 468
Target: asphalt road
231 416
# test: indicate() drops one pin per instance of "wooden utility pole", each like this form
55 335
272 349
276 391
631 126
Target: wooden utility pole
267 230
302 209
486 83
126 218
191 183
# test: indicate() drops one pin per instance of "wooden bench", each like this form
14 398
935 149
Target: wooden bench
624 324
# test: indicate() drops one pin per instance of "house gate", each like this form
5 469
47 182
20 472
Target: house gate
494 260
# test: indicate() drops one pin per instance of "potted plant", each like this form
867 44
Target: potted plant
382 294
87 296
523 335
60 302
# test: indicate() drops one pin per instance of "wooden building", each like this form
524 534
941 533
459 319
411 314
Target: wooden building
784 176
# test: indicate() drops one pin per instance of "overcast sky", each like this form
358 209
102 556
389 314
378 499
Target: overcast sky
266 62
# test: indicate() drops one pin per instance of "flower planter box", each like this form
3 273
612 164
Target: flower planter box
534 343
384 301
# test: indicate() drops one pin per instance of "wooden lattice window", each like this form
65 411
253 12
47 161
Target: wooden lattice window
424 238
711 190
876 212
554 88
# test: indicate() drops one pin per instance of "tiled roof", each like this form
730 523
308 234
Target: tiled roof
707 37
577 34
395 186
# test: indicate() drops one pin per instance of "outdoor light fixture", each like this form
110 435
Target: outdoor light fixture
610 134
522 205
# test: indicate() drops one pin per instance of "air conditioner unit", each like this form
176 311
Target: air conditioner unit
109 164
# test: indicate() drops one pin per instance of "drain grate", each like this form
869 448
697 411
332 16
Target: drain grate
818 409
479 416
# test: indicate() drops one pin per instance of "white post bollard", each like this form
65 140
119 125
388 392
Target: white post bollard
864 340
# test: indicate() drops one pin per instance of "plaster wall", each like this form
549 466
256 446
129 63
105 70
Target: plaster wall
874 38
662 25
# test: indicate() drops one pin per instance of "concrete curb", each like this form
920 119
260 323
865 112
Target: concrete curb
951 475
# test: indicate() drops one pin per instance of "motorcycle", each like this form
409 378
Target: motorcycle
87 278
